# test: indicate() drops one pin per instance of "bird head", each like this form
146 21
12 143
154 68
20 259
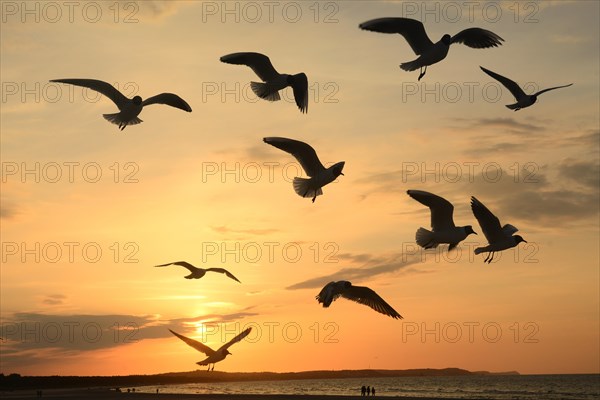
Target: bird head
469 230
447 39
337 168
226 352
137 100
519 239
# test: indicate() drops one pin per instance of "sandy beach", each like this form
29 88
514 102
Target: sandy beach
106 394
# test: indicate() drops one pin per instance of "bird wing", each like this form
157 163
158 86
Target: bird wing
304 153
169 99
368 297
490 224
99 86
260 64
509 229
552 88
184 264
236 339
512 86
224 271
300 87
441 209
477 38
195 344
412 30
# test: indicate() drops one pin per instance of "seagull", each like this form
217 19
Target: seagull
359 294
129 108
499 238
442 224
197 273
213 356
307 157
523 99
429 52
273 80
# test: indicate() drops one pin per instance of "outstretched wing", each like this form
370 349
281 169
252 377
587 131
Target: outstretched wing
224 271
512 86
99 86
477 38
195 344
304 153
552 88
260 64
441 209
368 297
169 99
236 339
184 264
412 30
300 87
490 224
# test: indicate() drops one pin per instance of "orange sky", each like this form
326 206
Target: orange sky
79 294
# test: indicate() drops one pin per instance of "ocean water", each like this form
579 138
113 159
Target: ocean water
493 387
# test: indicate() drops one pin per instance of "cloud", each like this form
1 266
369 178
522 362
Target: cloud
584 173
374 266
226 230
54 299
24 332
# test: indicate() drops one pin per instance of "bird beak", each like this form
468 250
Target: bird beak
341 173
525 241
475 232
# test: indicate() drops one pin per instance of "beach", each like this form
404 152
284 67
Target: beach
106 394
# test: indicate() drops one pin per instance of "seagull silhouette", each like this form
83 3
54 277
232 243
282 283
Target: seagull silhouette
213 356
429 52
197 273
499 238
442 224
523 99
307 157
273 80
129 108
359 294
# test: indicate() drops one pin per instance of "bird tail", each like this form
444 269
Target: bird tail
264 91
411 65
512 106
117 120
479 250
424 239
303 187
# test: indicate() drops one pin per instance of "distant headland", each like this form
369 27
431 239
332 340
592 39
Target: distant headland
16 381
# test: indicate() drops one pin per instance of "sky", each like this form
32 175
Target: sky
88 210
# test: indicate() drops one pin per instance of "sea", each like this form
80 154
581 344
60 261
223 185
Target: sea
493 387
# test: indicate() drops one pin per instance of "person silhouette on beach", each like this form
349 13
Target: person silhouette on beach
363 390
373 391
368 390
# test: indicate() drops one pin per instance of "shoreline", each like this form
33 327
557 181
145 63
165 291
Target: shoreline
110 394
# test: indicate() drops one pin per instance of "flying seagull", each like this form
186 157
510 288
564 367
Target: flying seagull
359 294
442 224
129 108
273 80
307 157
197 273
213 356
429 52
499 238
523 99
